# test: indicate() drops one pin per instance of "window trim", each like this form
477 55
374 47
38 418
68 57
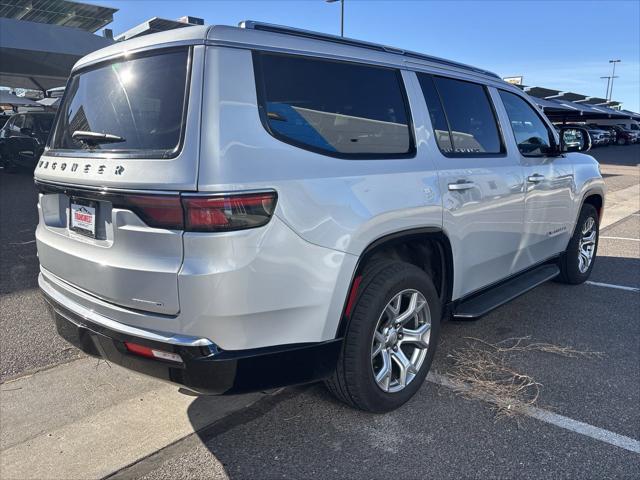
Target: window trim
128 154
499 129
260 93
554 145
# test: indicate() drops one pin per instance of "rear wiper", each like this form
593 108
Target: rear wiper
92 139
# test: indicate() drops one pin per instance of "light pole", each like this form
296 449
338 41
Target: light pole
341 14
613 75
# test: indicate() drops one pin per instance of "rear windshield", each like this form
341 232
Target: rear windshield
43 122
141 100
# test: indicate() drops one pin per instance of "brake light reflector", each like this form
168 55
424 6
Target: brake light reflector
152 353
227 212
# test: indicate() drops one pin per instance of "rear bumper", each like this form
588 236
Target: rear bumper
205 369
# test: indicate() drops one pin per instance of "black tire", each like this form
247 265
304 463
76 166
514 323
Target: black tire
569 262
353 381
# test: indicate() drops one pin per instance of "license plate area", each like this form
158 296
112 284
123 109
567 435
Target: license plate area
83 215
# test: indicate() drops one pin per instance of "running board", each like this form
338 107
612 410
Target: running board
483 303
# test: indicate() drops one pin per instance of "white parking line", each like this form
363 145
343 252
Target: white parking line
546 416
621 238
609 285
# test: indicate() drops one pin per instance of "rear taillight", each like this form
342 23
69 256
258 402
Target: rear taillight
221 213
198 213
157 211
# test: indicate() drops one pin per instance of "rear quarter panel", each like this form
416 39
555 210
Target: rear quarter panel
587 181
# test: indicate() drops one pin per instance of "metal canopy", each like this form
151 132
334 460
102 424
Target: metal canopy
40 56
568 96
541 92
593 100
87 17
551 106
8 98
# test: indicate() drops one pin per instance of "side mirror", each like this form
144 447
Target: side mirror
574 139
26 131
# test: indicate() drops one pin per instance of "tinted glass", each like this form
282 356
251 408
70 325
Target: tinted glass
28 122
470 115
335 107
532 135
436 112
18 122
43 122
140 99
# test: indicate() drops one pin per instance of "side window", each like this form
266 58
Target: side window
436 112
532 135
467 109
337 108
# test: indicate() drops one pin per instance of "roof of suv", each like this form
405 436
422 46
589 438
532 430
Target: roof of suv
251 34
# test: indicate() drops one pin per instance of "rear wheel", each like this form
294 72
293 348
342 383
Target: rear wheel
577 262
390 340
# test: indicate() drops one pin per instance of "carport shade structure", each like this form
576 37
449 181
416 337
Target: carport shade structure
7 98
40 56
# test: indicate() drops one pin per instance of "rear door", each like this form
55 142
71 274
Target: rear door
482 185
110 212
549 178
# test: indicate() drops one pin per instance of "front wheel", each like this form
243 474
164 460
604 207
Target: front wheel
577 261
390 340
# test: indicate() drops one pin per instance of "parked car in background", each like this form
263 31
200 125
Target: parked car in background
619 135
633 135
314 216
610 132
22 139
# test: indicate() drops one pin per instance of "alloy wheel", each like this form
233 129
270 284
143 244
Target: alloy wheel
401 340
587 244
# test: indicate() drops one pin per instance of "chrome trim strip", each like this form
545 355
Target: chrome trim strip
91 316
94 188
229 192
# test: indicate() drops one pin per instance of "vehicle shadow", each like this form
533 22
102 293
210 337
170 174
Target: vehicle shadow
303 431
18 221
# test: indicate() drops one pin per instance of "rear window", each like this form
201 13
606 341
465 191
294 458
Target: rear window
141 99
340 109
43 122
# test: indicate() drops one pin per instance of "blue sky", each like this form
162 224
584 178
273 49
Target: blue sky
558 44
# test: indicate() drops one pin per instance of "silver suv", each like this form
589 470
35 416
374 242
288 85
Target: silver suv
234 209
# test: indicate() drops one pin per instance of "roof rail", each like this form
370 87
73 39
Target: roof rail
298 32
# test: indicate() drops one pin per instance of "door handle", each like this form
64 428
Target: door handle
461 185
535 178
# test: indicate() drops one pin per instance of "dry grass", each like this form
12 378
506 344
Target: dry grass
513 345
481 370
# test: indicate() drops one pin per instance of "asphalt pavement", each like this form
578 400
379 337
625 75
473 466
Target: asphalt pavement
303 432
